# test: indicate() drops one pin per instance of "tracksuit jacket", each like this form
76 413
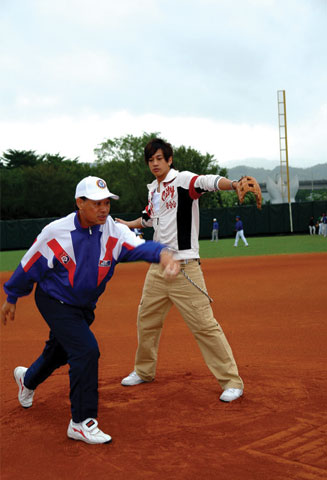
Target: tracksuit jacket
176 223
72 264
239 225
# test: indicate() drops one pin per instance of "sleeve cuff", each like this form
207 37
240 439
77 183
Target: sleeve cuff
216 184
12 299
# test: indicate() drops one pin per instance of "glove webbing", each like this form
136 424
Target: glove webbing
196 285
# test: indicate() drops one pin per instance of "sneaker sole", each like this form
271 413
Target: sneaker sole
132 384
229 401
89 443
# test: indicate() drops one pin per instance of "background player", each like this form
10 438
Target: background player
239 232
214 233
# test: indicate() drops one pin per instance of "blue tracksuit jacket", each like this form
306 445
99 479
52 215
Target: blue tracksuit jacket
73 264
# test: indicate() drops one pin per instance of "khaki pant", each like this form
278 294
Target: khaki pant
157 298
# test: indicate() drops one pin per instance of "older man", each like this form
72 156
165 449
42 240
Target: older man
71 262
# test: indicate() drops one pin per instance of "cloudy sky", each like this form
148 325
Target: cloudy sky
203 73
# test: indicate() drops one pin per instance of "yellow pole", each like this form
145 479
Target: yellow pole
286 152
287 169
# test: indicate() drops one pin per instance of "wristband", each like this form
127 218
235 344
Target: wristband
217 180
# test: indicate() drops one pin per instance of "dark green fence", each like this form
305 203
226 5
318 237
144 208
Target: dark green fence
271 220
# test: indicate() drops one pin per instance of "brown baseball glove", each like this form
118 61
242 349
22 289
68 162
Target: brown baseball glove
249 184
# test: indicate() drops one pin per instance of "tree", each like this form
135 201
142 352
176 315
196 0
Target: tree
35 186
311 196
19 158
57 160
121 163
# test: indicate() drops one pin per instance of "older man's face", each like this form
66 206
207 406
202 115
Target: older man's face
93 212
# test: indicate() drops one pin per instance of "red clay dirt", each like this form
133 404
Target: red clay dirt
273 311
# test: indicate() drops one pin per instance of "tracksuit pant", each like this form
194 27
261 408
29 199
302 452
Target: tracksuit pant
70 341
157 298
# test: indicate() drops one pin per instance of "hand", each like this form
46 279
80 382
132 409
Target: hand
8 311
169 264
119 220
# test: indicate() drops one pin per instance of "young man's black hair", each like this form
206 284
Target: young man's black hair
154 145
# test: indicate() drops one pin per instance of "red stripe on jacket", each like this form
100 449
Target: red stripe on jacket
63 257
102 271
128 246
31 261
193 193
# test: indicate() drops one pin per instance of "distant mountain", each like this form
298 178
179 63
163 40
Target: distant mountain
317 172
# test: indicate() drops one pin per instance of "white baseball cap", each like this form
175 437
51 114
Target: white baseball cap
94 188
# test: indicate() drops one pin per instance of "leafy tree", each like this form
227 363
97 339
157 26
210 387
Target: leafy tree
19 158
121 162
13 203
311 195
57 160
192 160
39 186
49 190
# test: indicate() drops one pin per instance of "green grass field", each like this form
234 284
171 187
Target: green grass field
277 245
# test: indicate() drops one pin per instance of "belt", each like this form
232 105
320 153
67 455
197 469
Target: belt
189 260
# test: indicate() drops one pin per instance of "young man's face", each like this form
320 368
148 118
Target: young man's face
93 212
158 165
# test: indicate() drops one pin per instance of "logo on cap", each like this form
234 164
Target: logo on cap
101 183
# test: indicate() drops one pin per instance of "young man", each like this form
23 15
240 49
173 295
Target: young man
173 212
239 232
71 262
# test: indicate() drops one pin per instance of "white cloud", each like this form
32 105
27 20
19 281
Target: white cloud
229 143
97 13
35 101
84 67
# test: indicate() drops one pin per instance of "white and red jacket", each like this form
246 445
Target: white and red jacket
73 264
176 222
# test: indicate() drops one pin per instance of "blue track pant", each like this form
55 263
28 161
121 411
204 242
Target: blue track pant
70 341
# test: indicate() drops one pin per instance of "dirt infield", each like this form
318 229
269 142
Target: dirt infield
274 313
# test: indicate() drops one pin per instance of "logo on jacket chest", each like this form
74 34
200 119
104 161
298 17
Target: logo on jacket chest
168 192
64 258
104 263
168 195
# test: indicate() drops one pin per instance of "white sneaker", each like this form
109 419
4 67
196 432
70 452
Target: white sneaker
25 395
87 431
231 394
132 379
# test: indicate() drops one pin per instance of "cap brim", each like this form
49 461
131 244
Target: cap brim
101 197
